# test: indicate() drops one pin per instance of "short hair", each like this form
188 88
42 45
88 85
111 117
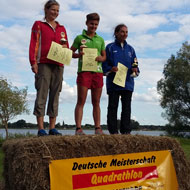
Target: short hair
117 28
48 5
92 16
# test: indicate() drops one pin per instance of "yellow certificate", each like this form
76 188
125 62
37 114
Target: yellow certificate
121 75
88 59
59 54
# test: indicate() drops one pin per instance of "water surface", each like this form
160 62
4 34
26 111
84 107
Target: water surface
72 132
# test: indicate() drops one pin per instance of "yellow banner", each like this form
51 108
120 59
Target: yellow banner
138 171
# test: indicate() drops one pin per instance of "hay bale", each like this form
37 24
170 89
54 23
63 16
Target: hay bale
26 164
2 187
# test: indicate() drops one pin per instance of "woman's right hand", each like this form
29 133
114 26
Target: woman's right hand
34 68
114 69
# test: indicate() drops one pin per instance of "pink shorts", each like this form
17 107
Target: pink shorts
90 79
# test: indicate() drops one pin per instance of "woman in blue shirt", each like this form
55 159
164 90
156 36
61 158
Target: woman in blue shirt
120 51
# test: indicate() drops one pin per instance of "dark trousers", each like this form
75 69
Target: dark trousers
113 101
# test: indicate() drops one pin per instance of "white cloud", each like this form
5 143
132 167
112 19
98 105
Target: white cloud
142 23
68 93
31 96
184 21
169 5
150 72
151 97
15 38
71 70
74 20
159 41
20 9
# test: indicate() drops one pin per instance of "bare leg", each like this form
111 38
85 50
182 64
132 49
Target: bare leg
96 94
40 121
52 121
81 99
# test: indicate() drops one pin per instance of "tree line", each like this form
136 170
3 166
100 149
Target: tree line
22 124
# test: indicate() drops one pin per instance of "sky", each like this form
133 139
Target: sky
157 29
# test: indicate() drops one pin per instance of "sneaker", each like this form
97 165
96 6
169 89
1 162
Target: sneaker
79 131
98 131
42 132
54 132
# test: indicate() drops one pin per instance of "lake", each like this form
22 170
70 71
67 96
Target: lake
72 132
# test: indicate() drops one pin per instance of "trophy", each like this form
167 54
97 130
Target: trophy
63 39
135 65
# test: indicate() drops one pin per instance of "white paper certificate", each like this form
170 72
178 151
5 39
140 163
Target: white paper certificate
59 54
88 59
121 75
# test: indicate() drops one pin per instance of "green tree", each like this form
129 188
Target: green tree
174 88
134 124
12 102
20 123
58 125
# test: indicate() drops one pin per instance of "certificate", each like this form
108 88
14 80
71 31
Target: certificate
121 75
88 59
59 54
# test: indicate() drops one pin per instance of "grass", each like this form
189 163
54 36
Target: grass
185 143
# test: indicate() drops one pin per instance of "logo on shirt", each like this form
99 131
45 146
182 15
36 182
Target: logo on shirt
83 42
129 54
63 34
